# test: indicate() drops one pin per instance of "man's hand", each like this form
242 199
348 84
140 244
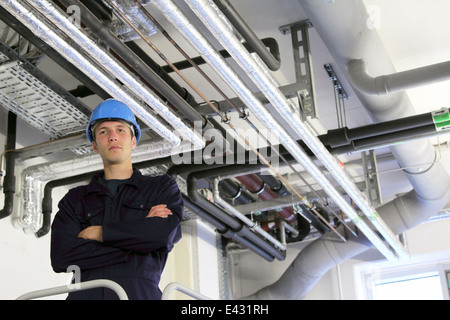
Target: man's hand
92 233
159 211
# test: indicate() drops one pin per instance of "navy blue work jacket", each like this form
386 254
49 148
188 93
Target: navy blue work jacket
134 248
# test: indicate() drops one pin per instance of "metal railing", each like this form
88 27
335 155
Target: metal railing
76 287
174 286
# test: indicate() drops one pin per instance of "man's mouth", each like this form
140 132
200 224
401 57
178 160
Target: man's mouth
114 148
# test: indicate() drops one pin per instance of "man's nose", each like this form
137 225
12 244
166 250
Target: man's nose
112 136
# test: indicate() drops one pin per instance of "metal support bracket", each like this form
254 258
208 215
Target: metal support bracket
303 65
371 177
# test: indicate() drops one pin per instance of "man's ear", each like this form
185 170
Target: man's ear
133 142
94 146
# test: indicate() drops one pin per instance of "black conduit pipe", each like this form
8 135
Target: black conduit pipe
270 43
225 224
256 243
233 191
235 229
223 229
273 63
9 183
47 203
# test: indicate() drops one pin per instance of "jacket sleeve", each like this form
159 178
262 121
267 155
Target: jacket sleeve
148 234
67 249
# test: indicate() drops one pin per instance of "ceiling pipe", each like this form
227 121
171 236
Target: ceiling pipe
9 182
272 61
108 63
366 43
268 85
257 186
234 192
270 43
348 39
235 225
396 82
235 229
52 54
26 16
252 225
160 81
224 230
209 16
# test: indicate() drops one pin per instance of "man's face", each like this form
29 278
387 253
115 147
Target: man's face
113 142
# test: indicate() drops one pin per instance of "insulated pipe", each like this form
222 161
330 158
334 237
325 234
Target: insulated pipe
266 84
396 82
221 227
233 228
275 185
99 55
209 17
251 224
368 45
47 203
172 93
256 185
234 224
272 62
51 53
234 191
24 14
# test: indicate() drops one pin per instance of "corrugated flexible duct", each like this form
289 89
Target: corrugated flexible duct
342 27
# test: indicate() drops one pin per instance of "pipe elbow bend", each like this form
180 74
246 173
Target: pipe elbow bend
362 81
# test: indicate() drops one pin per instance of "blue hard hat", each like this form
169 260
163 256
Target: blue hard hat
111 109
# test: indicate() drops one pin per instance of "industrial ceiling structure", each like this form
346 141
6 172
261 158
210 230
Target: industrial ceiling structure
281 120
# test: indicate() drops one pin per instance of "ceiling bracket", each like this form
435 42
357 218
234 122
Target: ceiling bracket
303 65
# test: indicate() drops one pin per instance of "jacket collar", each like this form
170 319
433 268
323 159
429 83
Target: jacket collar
96 185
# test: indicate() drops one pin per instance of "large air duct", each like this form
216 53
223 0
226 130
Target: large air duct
342 27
